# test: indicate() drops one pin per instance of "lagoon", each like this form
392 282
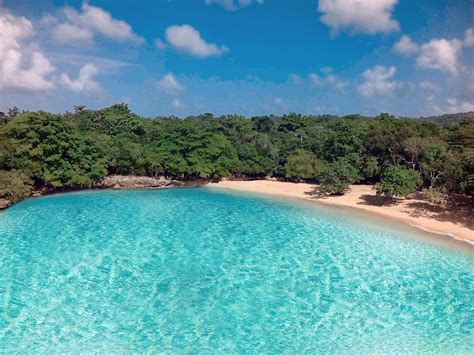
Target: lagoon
216 271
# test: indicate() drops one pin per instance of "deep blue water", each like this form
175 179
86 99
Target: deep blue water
185 270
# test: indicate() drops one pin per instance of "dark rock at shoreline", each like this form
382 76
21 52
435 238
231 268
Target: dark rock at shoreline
120 182
116 182
4 203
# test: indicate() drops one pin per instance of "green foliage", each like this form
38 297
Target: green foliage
303 165
48 150
467 173
14 185
80 147
436 195
337 177
398 181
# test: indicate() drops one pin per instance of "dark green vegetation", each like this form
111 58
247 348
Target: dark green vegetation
397 181
39 149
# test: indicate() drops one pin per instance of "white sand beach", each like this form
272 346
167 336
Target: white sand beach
453 221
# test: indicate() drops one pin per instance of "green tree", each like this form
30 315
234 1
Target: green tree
398 181
303 165
15 185
48 150
337 177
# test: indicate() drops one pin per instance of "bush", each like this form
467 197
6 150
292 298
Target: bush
303 165
398 181
337 177
436 195
14 185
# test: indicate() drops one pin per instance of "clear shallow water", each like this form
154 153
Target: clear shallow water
200 270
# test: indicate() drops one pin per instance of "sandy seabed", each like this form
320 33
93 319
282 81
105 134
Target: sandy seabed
454 221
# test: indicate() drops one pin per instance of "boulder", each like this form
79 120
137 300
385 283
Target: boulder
121 182
4 203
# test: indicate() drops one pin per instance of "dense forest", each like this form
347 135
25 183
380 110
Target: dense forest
76 149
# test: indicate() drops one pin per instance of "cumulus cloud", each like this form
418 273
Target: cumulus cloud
455 105
233 5
186 39
295 79
85 82
327 80
169 85
378 82
66 32
405 46
359 16
83 25
432 105
21 66
440 54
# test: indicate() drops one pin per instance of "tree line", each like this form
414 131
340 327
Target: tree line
76 149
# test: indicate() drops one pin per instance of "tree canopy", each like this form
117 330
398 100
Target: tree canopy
78 148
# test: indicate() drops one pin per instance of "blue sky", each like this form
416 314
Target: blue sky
163 57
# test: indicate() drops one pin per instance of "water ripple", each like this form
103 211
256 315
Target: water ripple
197 270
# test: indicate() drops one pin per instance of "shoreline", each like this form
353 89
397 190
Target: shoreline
445 223
414 212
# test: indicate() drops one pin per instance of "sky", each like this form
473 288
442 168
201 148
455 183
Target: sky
249 57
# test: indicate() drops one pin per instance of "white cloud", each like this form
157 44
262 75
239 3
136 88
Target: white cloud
359 16
188 40
427 85
82 25
66 32
440 54
169 85
233 5
432 106
406 46
21 66
85 82
315 79
469 37
455 106
177 103
326 80
160 44
295 79
377 82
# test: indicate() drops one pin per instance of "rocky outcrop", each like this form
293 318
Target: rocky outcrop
117 182
121 182
4 203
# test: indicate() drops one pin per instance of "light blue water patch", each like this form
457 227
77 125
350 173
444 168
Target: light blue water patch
185 270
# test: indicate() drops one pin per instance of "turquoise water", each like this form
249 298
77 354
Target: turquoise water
198 270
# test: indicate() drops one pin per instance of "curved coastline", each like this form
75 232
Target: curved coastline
406 213
402 213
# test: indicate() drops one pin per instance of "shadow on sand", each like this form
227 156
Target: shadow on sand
459 209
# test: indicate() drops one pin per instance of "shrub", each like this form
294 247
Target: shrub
337 177
436 195
303 165
14 185
398 181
